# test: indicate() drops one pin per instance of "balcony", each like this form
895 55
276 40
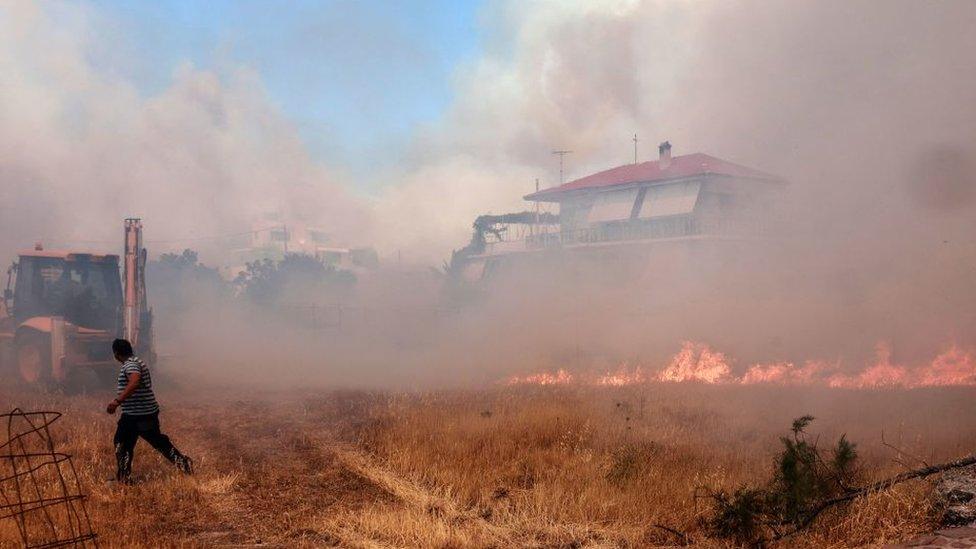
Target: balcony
664 229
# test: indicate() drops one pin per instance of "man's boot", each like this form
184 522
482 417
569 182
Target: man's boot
183 463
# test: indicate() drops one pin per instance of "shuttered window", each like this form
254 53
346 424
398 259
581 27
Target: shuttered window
612 206
667 200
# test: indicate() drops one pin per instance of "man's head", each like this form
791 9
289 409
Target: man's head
122 349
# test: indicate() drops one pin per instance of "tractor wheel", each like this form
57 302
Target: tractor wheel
34 359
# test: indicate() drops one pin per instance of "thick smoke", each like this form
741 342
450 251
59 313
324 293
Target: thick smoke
81 148
867 108
843 98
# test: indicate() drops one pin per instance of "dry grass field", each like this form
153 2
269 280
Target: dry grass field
498 467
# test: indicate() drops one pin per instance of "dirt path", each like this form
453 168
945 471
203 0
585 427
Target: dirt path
277 476
271 485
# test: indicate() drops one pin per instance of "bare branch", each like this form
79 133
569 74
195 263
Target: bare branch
881 485
902 452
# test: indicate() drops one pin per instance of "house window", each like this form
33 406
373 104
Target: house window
668 200
613 206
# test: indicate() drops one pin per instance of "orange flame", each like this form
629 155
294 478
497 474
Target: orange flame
561 377
786 373
882 374
623 376
953 366
697 362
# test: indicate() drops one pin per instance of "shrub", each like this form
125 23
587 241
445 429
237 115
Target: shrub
805 480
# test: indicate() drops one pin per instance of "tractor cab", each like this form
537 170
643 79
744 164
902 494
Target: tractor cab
84 289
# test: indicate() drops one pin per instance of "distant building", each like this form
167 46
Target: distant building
273 237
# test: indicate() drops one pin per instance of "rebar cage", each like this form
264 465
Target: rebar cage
39 486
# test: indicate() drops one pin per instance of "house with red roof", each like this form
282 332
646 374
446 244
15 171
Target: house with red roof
691 197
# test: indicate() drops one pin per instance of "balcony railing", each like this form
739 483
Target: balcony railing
632 231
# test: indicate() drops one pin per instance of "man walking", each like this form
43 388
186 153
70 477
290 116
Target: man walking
140 414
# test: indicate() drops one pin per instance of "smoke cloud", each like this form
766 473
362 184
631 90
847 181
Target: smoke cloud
842 98
81 148
868 109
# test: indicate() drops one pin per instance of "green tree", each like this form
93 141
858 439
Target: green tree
295 280
805 480
177 282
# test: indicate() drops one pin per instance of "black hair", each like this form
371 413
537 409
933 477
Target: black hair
122 347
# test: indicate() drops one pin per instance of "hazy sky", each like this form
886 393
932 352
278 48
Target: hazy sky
362 118
369 71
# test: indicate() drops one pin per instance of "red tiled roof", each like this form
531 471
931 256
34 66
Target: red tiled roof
681 166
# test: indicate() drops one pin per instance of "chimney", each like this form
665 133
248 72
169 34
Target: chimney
664 150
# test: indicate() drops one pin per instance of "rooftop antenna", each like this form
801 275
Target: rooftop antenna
635 148
561 154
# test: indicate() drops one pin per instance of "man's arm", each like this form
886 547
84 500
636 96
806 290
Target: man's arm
130 387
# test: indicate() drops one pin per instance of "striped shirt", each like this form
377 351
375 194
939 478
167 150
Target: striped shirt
142 401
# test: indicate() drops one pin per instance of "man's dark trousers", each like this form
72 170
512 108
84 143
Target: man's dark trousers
129 430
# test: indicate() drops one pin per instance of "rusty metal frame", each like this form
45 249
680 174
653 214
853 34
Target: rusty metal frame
39 486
